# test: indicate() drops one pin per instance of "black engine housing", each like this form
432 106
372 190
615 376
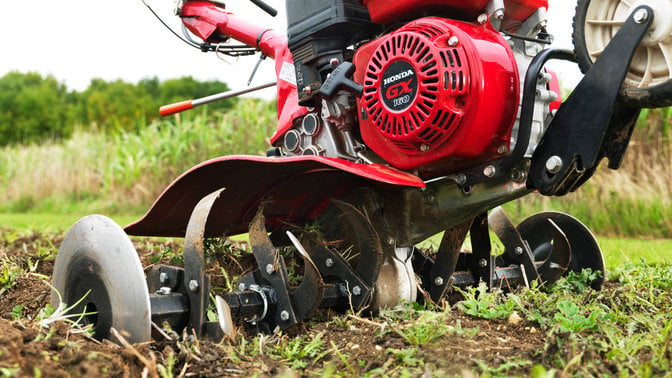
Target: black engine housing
319 31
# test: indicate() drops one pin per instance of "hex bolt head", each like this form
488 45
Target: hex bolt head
499 14
438 281
554 164
241 286
461 179
424 147
193 286
489 171
641 16
164 290
482 263
356 290
329 262
518 250
334 61
284 315
502 149
163 277
482 18
453 41
270 269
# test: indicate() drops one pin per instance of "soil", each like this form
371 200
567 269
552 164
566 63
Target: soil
27 349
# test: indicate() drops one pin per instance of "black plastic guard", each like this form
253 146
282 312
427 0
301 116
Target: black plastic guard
591 124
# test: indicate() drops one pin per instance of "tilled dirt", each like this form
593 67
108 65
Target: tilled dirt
354 345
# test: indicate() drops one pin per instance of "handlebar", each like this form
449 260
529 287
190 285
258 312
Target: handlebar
265 7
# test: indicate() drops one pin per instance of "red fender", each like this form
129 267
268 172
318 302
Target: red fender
292 189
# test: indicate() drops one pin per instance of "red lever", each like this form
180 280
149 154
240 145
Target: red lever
177 107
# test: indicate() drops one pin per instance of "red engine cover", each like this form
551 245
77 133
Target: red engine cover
439 95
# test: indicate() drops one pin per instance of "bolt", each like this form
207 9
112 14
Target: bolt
554 164
241 286
307 89
390 240
284 315
356 290
461 179
164 290
193 285
163 277
482 263
453 41
641 16
438 281
270 269
424 147
489 171
502 149
499 14
482 18
518 250
329 262
517 175
334 62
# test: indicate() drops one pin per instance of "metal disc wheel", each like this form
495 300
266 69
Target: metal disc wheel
98 273
585 252
648 82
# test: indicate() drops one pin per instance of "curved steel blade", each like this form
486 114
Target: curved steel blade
308 295
370 248
558 259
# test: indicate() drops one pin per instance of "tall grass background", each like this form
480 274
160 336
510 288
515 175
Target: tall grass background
123 174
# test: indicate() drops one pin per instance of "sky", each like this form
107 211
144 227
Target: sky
77 40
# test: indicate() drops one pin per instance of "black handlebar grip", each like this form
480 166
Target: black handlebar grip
265 7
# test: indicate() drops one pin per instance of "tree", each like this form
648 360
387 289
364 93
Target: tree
32 108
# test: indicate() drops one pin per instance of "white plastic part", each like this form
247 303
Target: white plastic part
652 62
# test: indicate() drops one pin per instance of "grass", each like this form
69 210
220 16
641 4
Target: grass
50 222
124 173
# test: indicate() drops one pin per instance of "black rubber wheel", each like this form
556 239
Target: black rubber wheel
648 83
585 253
97 271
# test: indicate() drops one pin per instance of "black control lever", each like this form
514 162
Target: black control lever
265 7
340 78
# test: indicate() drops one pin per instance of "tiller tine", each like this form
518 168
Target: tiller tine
518 250
557 262
291 306
308 295
370 248
195 279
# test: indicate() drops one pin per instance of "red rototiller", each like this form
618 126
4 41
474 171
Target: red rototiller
397 120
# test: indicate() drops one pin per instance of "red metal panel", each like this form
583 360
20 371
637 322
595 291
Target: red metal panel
291 189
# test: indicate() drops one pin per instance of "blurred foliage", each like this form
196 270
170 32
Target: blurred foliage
34 108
